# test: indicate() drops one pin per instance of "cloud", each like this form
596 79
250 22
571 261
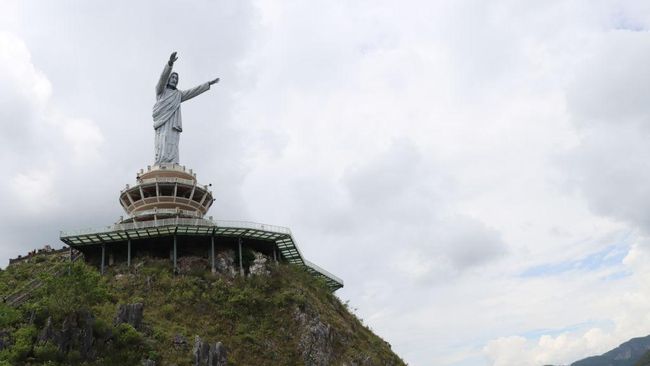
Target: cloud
515 350
627 307
428 153
402 197
23 97
76 112
608 103
39 143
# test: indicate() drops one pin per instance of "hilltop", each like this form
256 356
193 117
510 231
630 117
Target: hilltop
57 313
634 352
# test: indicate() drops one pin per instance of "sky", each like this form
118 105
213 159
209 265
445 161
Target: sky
476 171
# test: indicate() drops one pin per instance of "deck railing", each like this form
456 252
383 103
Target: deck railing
248 225
321 270
182 222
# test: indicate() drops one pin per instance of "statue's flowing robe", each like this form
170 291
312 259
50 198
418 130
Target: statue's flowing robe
167 121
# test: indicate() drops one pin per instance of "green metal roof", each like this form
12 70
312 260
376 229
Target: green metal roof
201 227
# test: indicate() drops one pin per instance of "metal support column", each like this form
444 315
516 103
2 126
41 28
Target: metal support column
103 258
175 268
275 256
241 263
214 269
70 264
128 253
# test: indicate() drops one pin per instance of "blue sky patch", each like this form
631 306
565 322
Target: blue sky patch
608 257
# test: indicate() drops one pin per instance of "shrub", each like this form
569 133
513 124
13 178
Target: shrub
168 311
100 328
47 352
24 340
79 290
126 336
8 316
129 347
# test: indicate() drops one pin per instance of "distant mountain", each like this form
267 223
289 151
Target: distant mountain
627 354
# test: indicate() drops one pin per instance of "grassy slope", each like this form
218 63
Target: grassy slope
255 317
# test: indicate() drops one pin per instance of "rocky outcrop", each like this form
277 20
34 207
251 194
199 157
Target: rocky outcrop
5 339
131 314
206 354
259 265
189 264
224 262
316 339
362 360
179 342
75 333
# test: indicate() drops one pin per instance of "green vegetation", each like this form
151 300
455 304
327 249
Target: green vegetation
261 320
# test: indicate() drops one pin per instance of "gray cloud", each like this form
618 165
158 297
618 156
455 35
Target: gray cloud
75 108
608 101
410 148
405 197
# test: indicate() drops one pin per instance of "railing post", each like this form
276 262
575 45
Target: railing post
103 258
241 263
214 269
128 253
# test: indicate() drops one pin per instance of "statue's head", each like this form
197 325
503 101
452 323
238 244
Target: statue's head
173 80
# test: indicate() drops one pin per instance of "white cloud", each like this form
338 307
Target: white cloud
84 137
33 192
429 153
627 309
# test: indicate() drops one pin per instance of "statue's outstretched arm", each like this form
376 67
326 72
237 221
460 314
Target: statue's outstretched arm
164 77
191 93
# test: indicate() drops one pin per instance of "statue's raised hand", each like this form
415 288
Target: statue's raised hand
172 58
214 81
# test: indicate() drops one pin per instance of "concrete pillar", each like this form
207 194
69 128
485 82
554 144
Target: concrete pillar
103 258
275 256
128 253
241 263
212 259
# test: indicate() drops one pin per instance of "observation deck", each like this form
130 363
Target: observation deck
266 236
166 209
164 191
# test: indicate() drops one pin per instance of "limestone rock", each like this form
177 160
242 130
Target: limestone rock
190 264
76 333
79 331
179 342
206 354
5 339
362 360
47 333
316 339
259 265
224 262
131 314
148 362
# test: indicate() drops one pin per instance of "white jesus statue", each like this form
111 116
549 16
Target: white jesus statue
167 119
